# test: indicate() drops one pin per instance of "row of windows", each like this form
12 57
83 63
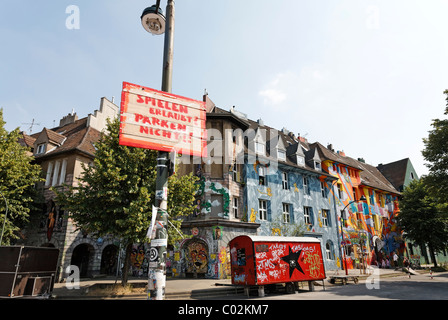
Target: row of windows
264 213
377 221
262 181
374 197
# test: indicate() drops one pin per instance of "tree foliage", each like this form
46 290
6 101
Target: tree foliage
436 153
421 219
115 195
18 177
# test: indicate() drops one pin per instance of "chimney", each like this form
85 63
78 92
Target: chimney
361 160
70 118
341 153
330 147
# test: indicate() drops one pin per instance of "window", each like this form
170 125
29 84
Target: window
306 188
286 218
317 166
48 177
372 197
236 173
56 173
235 207
376 222
323 189
259 148
329 250
307 215
262 176
63 171
281 154
325 218
263 210
285 181
300 160
41 148
340 191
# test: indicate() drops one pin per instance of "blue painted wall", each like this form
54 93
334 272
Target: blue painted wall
296 197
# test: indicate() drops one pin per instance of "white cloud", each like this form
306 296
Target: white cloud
273 96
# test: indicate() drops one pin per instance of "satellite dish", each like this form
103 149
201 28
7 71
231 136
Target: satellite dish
153 20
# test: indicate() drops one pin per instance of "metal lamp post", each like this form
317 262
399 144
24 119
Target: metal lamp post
363 198
154 22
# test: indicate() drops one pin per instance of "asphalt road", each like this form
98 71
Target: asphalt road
418 287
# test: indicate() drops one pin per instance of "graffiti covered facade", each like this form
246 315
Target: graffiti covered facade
368 229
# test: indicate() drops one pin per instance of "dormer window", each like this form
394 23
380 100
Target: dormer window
300 160
260 148
281 154
317 166
41 148
260 142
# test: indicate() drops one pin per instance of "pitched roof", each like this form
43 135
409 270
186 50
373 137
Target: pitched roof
76 136
272 137
370 175
395 172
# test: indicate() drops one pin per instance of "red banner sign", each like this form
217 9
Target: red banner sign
157 120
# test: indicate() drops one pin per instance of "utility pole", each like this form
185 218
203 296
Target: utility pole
158 250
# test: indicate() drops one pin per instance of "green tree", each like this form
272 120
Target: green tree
17 179
115 195
436 153
420 218
281 228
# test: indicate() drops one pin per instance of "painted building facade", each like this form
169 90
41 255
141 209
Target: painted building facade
256 181
287 192
219 216
368 229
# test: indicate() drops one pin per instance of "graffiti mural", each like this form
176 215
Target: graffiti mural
197 257
139 263
294 195
373 218
213 188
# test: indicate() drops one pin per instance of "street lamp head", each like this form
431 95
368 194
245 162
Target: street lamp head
153 20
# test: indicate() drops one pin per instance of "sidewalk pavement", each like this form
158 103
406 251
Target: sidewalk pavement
180 289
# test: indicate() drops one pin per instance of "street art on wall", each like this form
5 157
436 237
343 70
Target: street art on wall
210 188
197 256
139 262
364 221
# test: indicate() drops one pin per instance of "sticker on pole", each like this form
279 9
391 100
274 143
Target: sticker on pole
162 121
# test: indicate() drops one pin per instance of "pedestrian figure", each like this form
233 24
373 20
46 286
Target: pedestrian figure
395 260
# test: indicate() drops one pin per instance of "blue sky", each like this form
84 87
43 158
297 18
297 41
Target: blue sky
365 75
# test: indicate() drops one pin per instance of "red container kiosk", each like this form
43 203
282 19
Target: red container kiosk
260 261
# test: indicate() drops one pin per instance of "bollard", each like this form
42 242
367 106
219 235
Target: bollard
430 272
